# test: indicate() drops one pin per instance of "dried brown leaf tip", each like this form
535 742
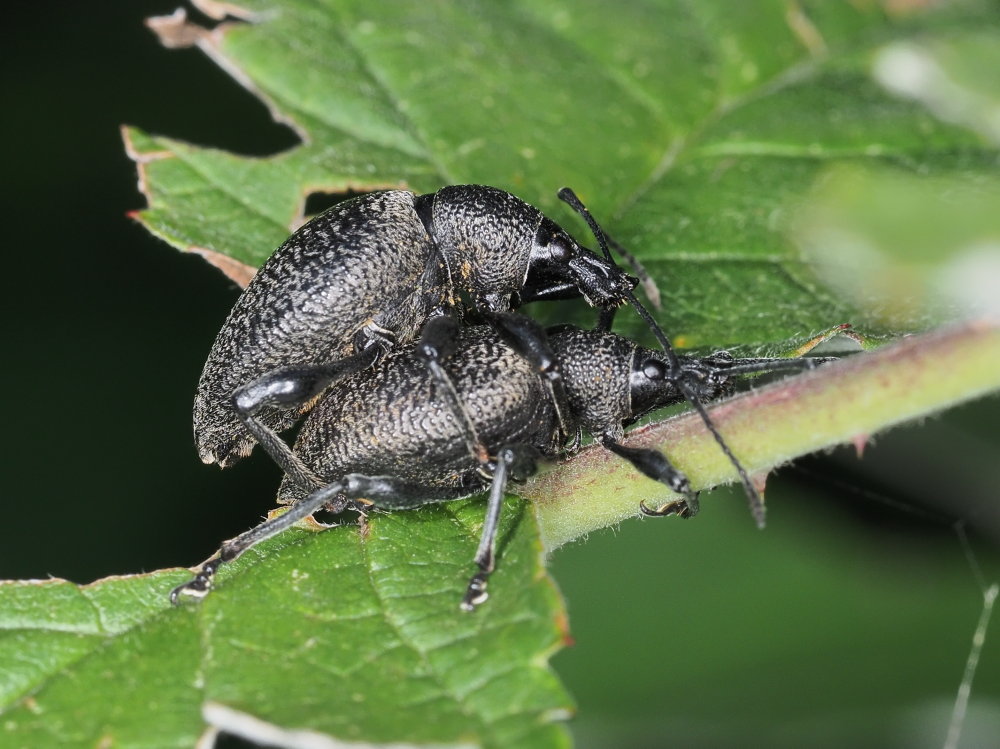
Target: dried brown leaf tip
175 31
239 273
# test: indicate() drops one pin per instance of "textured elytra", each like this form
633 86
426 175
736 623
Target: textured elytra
391 420
365 261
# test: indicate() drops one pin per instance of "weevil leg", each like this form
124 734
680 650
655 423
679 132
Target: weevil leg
511 460
549 291
437 342
336 496
677 507
654 464
606 318
288 388
530 341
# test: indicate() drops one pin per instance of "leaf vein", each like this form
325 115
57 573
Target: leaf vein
368 65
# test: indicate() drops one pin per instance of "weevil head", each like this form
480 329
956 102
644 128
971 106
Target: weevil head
652 385
556 258
611 382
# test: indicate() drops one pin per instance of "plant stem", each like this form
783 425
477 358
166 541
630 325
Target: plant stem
846 401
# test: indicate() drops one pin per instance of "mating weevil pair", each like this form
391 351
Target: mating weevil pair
331 324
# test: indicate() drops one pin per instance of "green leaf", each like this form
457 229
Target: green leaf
355 635
692 131
950 74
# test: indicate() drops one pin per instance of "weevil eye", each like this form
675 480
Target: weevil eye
560 249
654 370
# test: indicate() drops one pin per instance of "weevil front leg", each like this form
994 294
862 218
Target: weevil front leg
436 344
654 464
525 336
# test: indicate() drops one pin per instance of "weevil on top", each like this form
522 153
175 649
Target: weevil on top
372 297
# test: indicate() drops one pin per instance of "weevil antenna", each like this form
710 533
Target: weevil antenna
661 337
570 198
648 284
753 496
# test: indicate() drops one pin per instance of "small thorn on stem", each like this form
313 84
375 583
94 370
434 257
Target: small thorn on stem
826 335
860 442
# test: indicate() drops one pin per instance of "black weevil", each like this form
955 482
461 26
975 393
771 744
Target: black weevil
366 275
386 435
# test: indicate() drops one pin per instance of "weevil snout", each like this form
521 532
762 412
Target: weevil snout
603 284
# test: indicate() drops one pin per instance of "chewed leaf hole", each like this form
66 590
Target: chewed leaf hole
317 202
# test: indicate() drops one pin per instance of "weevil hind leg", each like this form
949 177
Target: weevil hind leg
335 497
289 388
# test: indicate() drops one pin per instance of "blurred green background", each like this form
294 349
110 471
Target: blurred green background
847 621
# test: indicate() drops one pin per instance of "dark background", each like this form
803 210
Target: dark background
107 329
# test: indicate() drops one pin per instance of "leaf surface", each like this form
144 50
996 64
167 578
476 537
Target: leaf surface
692 130
355 635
